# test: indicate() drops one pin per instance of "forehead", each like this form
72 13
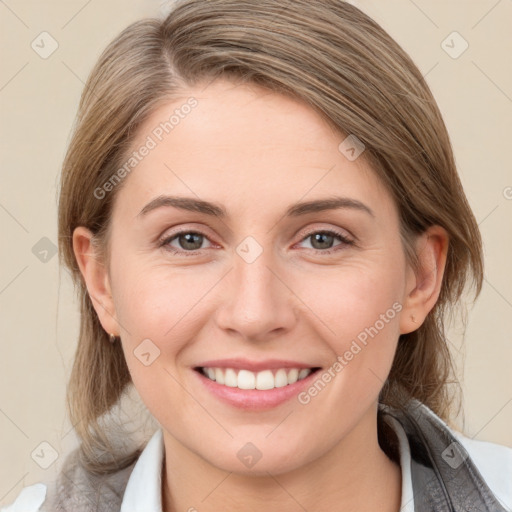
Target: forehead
243 145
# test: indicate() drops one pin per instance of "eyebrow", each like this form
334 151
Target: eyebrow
216 210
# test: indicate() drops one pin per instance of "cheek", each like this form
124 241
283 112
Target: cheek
161 310
357 311
155 306
153 301
352 298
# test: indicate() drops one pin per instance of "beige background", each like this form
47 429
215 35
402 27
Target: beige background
38 100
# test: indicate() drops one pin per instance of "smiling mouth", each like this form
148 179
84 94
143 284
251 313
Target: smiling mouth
263 380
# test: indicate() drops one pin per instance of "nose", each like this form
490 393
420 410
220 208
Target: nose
258 303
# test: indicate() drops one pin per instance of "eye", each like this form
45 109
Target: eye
189 242
321 241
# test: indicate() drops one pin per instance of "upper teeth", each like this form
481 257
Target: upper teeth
265 379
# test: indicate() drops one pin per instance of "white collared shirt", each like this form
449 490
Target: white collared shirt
144 487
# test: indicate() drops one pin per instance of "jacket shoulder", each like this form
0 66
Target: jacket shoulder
494 462
74 490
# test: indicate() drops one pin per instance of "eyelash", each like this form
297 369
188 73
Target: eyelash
345 241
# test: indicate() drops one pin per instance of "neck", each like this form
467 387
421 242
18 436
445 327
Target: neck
355 474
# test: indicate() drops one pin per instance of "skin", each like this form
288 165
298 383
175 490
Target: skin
256 153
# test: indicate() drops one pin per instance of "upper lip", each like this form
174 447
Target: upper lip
246 364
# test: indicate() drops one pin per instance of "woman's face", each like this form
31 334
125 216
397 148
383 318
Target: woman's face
257 288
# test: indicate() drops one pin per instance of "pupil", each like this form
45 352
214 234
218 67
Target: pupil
318 236
189 239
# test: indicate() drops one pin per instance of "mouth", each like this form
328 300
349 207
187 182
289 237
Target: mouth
254 385
263 380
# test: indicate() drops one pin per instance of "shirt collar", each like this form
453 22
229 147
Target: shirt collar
407 504
144 488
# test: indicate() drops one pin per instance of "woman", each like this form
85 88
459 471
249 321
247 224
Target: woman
261 211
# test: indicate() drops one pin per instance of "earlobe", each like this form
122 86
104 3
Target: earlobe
96 278
424 285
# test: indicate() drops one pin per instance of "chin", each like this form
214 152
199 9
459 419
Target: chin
260 459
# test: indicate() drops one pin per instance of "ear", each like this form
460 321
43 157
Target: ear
96 278
423 287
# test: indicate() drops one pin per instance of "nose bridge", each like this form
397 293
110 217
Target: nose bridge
254 286
256 302
253 278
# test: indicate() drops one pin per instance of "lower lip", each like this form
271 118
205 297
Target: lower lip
255 399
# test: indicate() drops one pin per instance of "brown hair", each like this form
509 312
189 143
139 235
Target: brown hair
326 53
